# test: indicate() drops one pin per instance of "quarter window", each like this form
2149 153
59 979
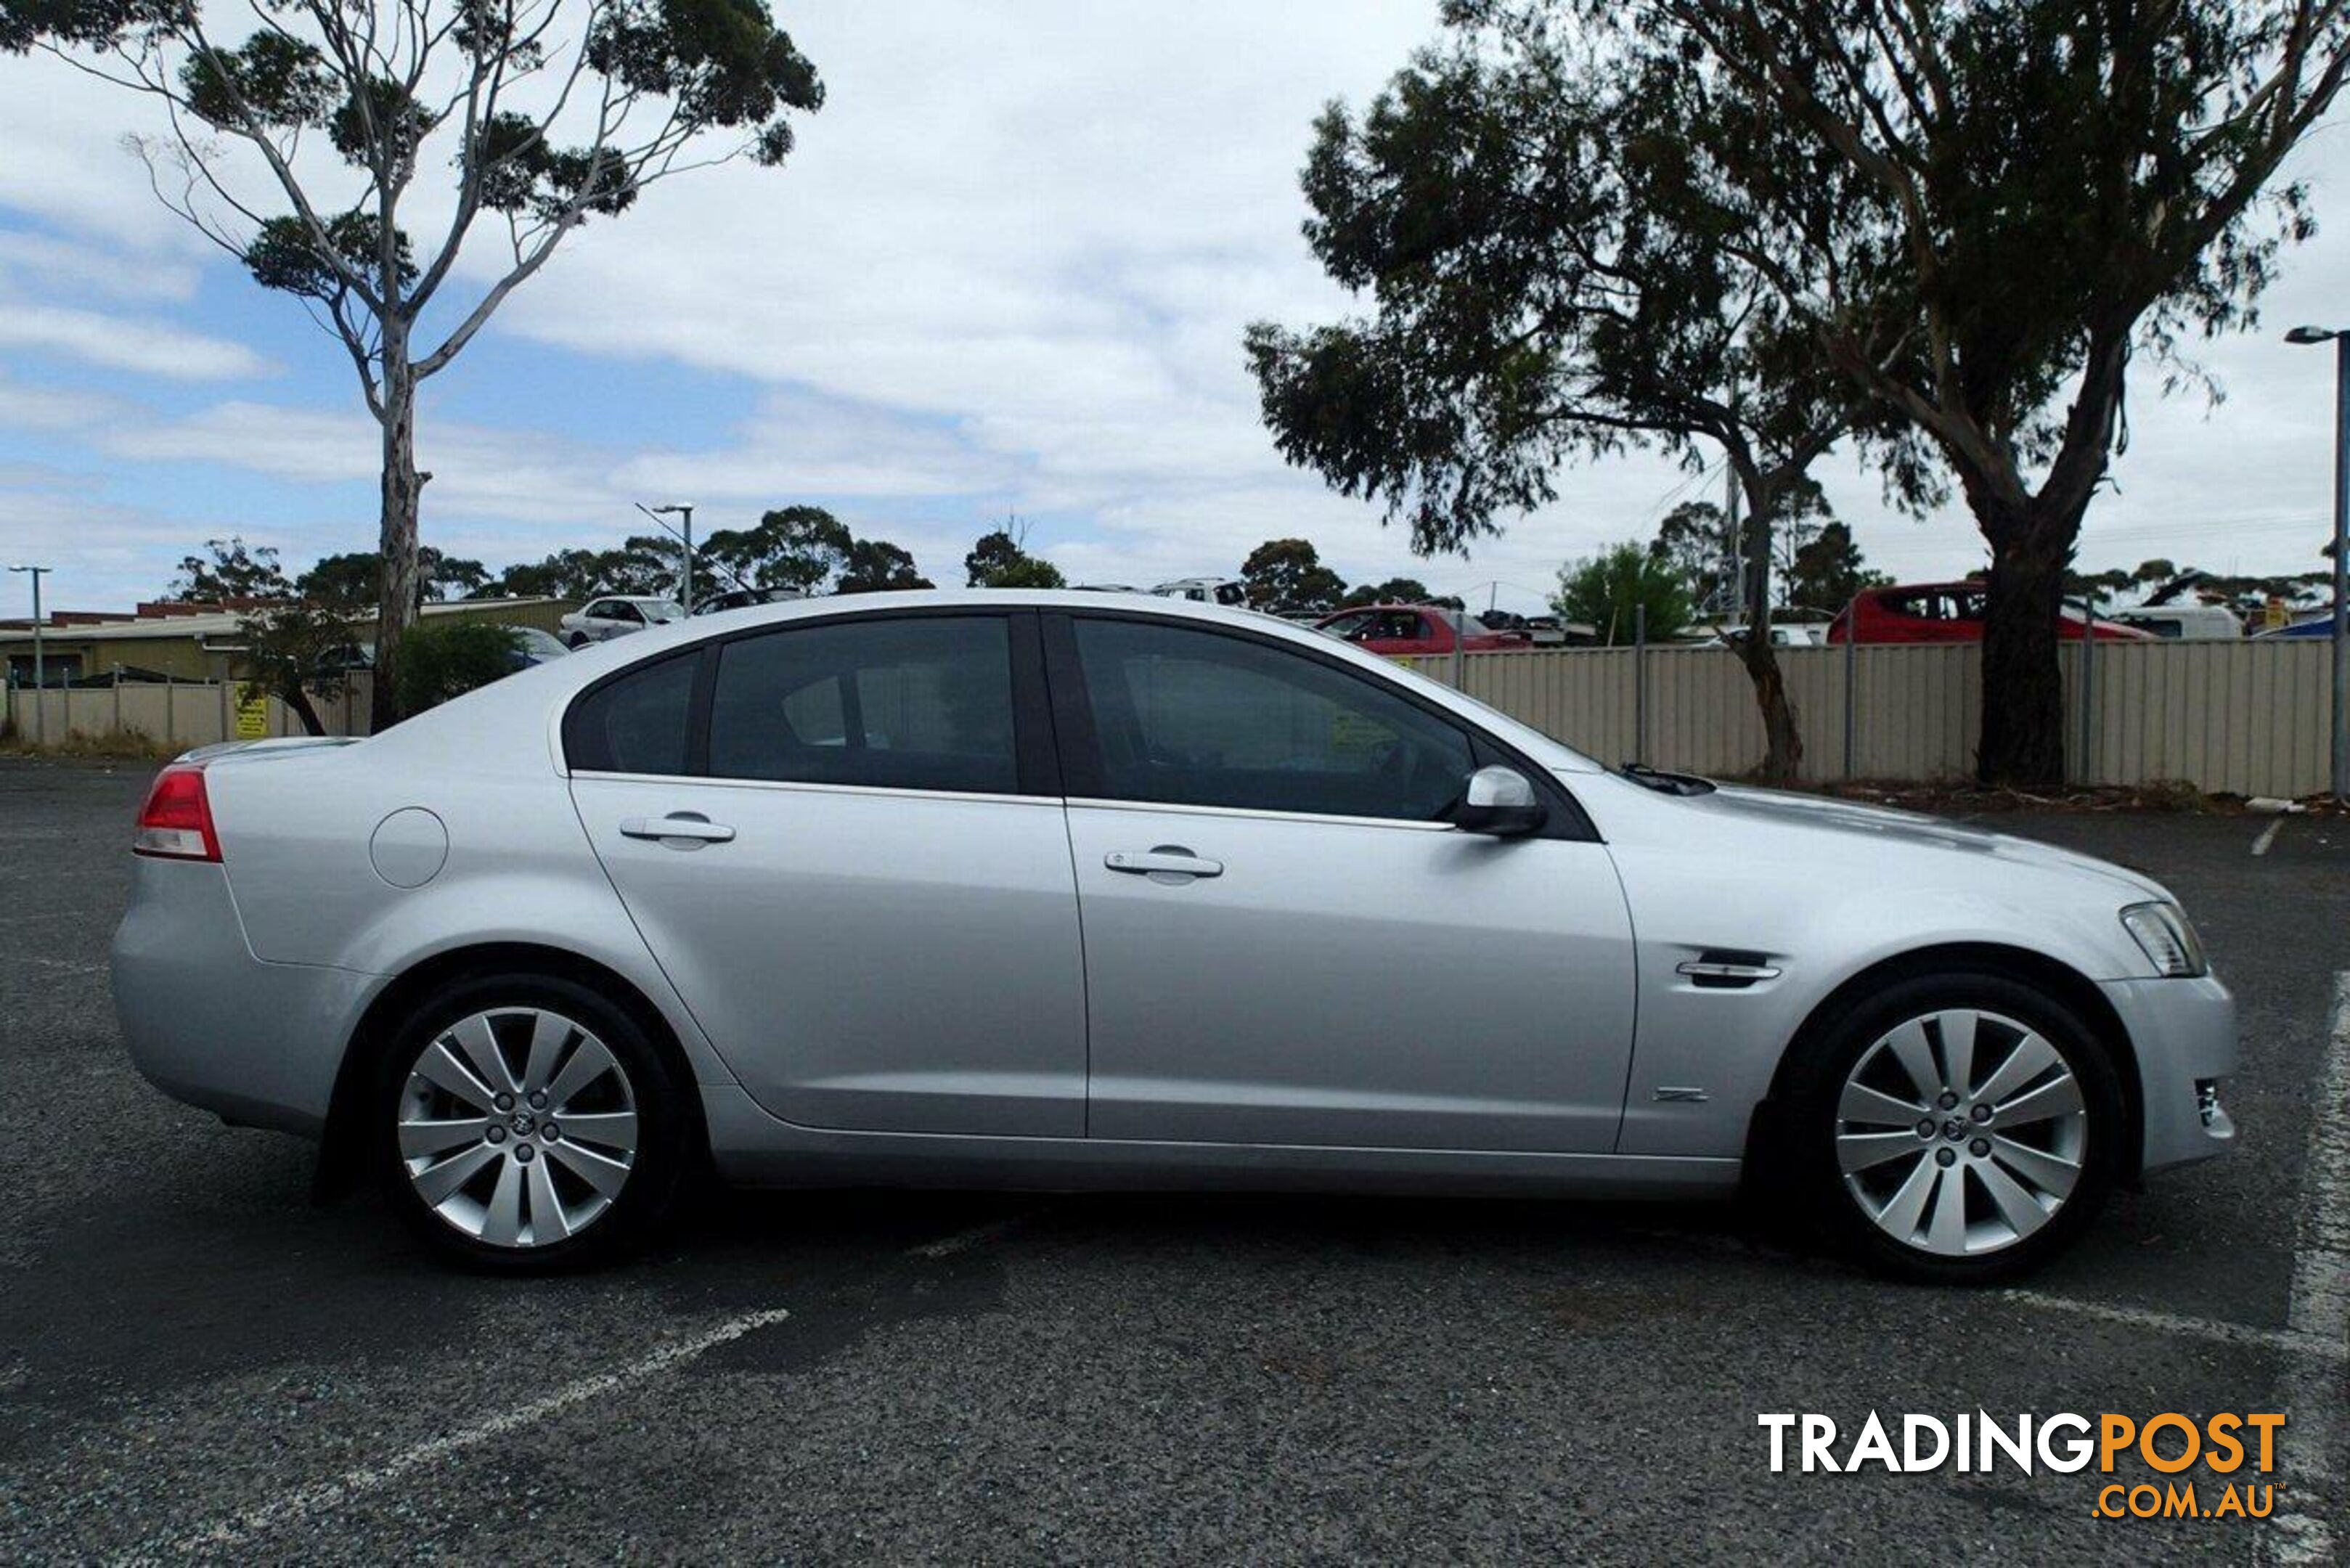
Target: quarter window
922 702
1192 718
636 724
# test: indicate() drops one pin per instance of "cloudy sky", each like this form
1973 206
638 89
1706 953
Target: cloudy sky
1007 270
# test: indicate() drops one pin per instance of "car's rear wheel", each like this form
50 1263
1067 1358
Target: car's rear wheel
524 1123
1958 1128
578 640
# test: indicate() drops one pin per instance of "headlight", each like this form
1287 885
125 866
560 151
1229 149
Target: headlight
2170 943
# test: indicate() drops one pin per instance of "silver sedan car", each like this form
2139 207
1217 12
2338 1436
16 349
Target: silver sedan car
1054 890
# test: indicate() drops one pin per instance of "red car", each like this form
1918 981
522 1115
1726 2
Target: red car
1417 628
1948 612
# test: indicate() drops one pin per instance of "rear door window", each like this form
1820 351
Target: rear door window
920 702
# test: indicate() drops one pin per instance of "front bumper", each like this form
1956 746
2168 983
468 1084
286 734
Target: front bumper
207 1023
2184 1031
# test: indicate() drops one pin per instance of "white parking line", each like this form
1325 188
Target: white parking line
2312 1391
2267 838
68 965
2293 1342
297 1506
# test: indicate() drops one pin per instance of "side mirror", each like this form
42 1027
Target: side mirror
1501 802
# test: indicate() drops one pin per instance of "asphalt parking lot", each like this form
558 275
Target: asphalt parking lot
195 1361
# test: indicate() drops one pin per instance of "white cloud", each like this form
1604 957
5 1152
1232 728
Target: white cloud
25 405
60 264
142 346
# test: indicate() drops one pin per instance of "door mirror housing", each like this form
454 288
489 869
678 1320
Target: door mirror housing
1501 802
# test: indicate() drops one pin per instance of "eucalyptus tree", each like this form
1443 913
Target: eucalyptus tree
1550 283
345 150
2045 190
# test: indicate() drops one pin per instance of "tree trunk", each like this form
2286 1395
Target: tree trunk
2022 685
402 487
298 698
1783 756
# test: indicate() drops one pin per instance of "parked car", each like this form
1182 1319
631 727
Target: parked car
533 646
2315 625
1341 929
616 615
1229 591
1948 612
1392 630
2181 622
1799 635
742 598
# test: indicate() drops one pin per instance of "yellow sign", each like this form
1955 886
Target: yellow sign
253 719
2274 614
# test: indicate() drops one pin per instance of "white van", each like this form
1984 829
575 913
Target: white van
2186 623
1229 591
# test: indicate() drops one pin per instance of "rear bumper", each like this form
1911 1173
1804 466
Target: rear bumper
209 1023
2184 1031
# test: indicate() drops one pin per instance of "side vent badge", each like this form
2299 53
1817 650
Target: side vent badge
1715 969
1681 1096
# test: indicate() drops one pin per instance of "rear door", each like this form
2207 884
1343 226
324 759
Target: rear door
1286 942
843 842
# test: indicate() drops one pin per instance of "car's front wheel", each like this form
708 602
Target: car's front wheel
1957 1129
524 1123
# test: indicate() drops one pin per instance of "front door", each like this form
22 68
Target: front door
852 869
1285 940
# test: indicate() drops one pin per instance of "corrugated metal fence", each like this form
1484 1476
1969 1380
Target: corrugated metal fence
2245 718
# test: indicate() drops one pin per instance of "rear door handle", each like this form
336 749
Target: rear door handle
1169 860
687 824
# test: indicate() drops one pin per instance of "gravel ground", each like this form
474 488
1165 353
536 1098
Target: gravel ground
196 1362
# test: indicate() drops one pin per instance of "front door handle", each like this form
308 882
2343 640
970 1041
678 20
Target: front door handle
1167 862
690 826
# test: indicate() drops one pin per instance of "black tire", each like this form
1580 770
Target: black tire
1806 1138
577 640
667 1133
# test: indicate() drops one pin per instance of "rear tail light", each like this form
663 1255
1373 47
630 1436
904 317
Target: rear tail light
176 822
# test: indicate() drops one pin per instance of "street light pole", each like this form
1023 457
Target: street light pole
40 677
674 508
2341 547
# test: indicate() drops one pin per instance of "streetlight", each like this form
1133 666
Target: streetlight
2336 335
670 510
40 680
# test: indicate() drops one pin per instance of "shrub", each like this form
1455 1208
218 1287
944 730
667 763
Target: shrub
438 662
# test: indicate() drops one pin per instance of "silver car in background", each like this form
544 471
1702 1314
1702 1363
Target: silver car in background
1072 891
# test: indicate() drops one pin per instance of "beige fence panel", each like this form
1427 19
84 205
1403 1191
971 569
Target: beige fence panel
174 715
2246 718
2243 718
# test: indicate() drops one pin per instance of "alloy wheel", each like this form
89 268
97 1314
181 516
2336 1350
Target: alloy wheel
1961 1132
517 1126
